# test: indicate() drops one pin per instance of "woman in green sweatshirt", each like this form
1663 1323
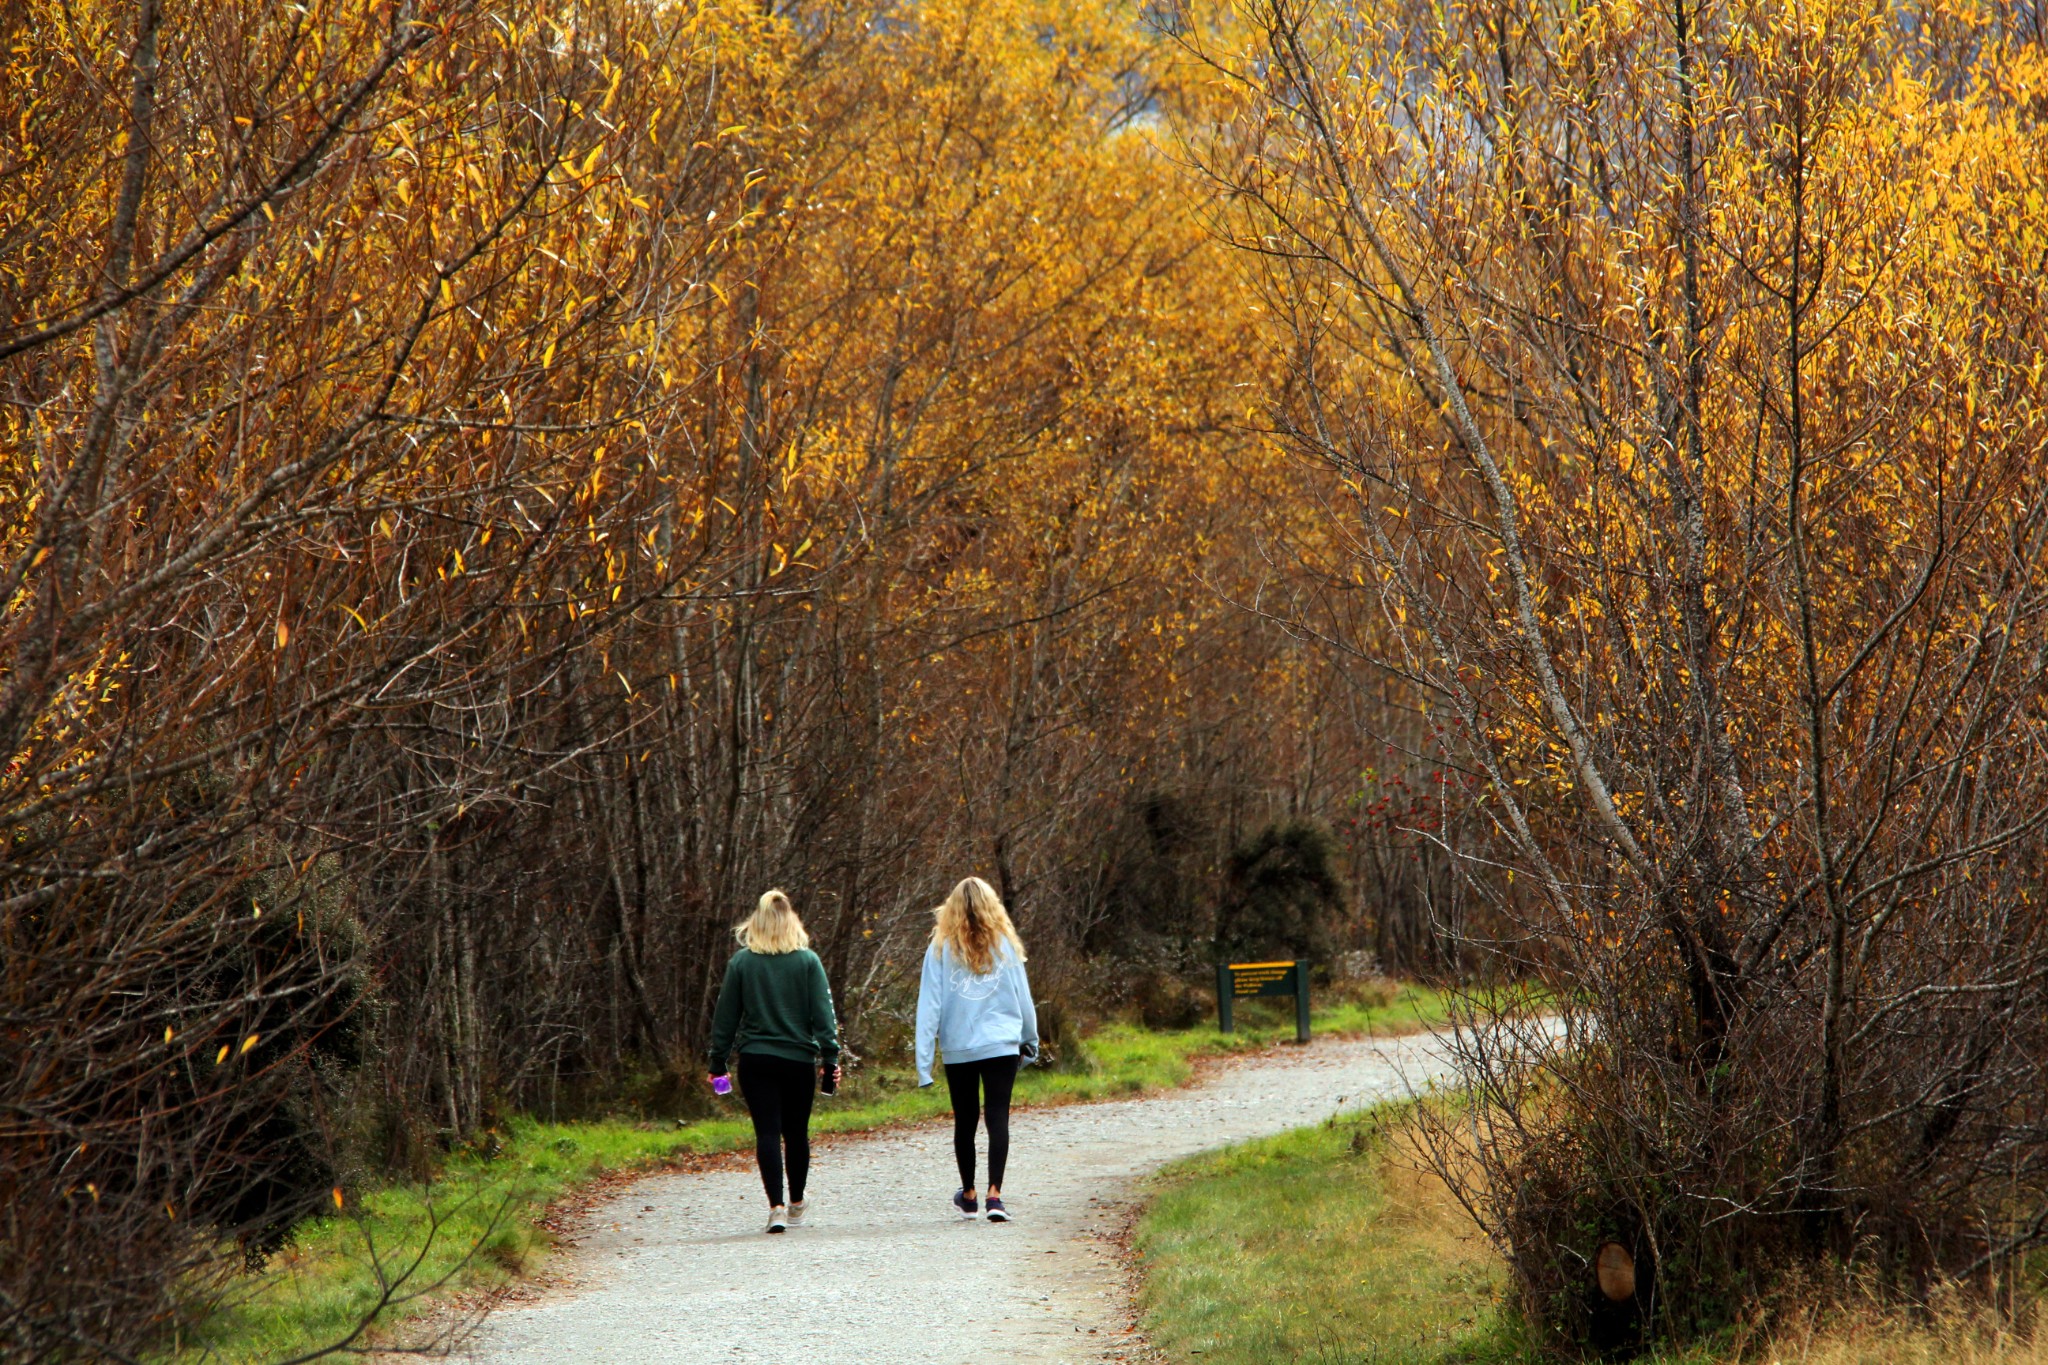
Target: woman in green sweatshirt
776 1009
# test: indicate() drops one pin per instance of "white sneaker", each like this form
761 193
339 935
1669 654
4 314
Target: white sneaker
778 1219
796 1214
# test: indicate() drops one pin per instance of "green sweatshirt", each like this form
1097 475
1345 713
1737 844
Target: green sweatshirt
777 1005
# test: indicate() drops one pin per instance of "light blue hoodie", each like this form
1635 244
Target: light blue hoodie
972 1018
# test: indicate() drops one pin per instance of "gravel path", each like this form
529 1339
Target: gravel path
675 1269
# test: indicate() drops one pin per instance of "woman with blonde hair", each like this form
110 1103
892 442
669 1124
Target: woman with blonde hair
776 1009
974 1004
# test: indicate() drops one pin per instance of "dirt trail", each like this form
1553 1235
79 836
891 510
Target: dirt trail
676 1269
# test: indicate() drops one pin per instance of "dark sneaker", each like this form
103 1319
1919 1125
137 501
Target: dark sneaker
964 1202
996 1212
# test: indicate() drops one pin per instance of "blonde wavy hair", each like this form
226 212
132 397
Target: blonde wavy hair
971 921
773 927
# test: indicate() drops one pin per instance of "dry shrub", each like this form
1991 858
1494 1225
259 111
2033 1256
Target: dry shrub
1435 1165
1595 1135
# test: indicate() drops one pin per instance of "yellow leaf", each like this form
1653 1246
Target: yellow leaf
337 1196
222 1055
249 1042
284 633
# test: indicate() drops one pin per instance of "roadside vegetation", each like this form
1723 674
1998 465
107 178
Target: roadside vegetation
1382 1266
1379 1264
1689 427
482 1220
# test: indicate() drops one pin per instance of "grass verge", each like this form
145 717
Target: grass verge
1330 1245
481 1222
1376 1261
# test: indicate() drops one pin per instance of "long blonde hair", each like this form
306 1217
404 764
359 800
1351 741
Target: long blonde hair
971 921
773 927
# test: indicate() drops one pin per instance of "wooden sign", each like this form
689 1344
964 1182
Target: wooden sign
1236 979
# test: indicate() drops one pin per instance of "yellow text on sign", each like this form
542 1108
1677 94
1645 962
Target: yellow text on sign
1247 977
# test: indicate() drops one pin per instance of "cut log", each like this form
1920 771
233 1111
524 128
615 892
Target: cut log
1616 1271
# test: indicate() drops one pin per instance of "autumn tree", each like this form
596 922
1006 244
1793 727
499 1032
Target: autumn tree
486 489
321 340
1677 377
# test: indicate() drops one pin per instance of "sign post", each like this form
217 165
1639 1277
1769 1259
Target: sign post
1237 979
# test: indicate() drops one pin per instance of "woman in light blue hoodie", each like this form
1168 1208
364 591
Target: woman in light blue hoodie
974 1003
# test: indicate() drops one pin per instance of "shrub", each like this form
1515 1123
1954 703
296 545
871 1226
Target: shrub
1281 895
1167 1001
1059 1040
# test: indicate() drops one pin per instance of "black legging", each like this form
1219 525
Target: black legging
993 1077
778 1094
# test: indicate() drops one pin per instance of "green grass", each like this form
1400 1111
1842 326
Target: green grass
477 1224
1324 1245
